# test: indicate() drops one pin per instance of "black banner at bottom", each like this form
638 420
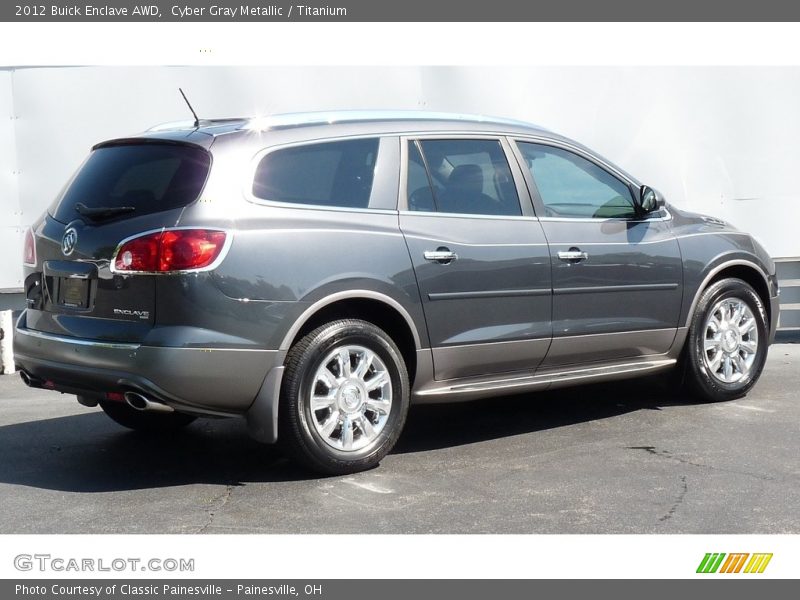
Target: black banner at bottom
382 589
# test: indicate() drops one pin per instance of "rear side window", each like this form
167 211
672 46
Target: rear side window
336 173
147 178
420 192
461 176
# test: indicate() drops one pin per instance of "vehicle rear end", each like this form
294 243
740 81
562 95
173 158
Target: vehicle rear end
120 305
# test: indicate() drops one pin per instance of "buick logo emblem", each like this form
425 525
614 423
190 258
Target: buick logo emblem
68 241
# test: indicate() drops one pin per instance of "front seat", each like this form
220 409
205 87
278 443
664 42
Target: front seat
464 192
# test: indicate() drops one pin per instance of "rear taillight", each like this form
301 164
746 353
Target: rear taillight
29 249
169 251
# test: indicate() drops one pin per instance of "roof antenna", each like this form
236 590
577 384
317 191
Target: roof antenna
185 99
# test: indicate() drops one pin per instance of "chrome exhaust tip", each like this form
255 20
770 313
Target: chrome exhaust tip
140 402
30 380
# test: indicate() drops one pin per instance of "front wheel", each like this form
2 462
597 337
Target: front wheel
727 342
344 398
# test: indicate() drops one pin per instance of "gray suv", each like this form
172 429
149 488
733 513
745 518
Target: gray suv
317 273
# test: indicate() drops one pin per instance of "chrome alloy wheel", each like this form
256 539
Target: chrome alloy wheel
351 398
730 343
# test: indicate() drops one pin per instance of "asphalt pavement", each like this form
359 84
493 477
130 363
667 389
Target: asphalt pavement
624 458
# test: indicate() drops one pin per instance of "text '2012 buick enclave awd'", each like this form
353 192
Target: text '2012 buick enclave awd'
317 273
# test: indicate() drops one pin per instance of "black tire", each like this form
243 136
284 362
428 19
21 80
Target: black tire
696 375
298 436
145 421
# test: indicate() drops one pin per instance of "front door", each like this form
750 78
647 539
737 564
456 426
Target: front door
617 275
479 256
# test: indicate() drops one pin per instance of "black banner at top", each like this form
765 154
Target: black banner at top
396 10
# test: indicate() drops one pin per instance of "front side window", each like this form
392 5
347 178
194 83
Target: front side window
571 186
461 176
338 173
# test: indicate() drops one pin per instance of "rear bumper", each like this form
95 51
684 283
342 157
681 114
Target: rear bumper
221 381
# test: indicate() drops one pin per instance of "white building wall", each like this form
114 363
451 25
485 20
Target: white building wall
10 217
722 140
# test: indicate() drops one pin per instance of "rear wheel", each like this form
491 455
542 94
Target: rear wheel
344 398
143 420
727 342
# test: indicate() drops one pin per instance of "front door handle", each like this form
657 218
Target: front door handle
441 255
573 255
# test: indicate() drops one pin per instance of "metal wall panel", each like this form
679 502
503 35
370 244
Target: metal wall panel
10 236
720 140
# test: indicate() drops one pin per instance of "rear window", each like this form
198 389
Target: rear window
336 173
147 177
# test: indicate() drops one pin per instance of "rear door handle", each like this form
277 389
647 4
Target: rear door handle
441 255
573 255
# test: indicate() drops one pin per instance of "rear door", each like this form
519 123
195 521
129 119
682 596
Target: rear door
617 276
479 255
124 188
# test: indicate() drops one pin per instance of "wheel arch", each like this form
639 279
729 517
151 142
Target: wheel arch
374 307
746 270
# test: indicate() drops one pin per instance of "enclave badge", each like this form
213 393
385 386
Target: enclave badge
142 314
68 241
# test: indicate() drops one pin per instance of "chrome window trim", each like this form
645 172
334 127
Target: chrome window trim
255 160
525 205
217 261
432 213
667 216
598 161
508 141
563 145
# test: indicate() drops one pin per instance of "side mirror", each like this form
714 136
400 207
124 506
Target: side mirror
650 200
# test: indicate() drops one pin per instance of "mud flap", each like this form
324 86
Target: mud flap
262 417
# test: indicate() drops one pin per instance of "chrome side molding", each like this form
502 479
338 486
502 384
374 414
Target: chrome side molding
479 387
74 340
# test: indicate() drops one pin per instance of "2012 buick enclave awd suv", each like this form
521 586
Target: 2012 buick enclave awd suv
317 273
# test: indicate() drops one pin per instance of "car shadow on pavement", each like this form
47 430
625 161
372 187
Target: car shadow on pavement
437 426
90 453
